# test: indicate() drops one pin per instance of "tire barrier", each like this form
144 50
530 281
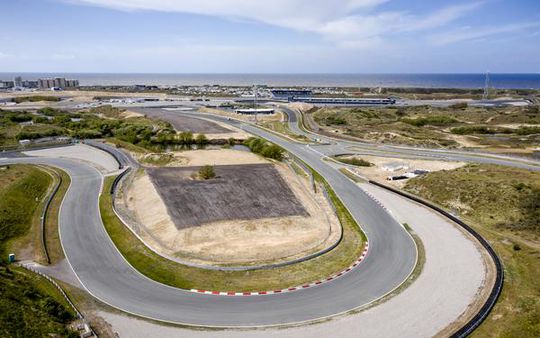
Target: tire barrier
474 322
117 180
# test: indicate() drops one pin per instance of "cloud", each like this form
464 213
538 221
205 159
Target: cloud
297 14
469 33
346 22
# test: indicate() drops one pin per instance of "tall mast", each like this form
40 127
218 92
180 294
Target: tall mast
487 85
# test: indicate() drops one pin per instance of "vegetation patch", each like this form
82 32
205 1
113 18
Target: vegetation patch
22 189
207 172
30 306
356 161
469 130
495 127
36 98
440 120
262 147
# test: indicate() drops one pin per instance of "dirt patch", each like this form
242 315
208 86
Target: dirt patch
126 114
239 192
218 157
232 241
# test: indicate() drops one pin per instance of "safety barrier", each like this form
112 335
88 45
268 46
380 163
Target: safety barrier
44 214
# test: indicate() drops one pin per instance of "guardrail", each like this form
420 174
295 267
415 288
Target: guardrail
88 330
472 324
44 214
99 146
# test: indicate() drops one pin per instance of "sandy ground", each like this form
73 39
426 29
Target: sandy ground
95 157
128 114
377 172
240 241
196 158
452 277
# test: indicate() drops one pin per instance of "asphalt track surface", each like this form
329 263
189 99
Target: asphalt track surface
107 276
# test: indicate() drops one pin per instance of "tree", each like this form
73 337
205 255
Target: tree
201 139
207 172
186 138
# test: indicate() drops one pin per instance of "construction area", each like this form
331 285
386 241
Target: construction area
254 212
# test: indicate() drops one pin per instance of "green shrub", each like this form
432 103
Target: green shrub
469 130
354 161
440 120
207 172
264 148
36 98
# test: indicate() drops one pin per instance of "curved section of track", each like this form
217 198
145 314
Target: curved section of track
106 275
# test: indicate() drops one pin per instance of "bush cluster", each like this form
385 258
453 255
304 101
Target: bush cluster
440 120
264 148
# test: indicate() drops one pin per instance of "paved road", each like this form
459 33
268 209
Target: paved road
106 275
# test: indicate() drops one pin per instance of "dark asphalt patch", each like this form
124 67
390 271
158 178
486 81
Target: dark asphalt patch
184 123
239 192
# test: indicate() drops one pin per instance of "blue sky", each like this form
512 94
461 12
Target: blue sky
263 36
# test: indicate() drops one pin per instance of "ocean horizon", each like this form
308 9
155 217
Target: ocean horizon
424 80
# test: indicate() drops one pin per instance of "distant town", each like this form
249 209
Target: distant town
57 83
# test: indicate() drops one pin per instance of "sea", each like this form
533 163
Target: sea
501 81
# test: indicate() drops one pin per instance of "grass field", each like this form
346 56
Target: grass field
174 274
283 128
29 306
22 190
503 204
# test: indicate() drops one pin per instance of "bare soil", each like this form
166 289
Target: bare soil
218 157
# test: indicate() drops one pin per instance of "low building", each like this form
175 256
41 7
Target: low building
343 101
